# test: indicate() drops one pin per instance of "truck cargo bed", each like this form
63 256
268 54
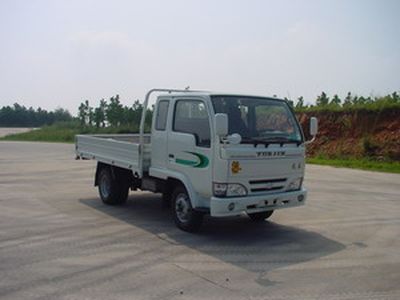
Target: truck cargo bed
120 150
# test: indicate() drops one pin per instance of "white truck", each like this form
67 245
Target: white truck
214 153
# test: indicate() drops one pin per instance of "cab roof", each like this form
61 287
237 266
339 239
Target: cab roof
210 94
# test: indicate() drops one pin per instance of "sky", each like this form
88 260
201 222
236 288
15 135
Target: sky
59 53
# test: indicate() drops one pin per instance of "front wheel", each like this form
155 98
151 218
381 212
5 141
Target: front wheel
185 217
260 216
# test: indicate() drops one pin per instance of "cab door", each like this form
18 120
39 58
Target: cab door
189 144
159 137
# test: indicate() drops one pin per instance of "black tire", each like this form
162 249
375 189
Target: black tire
113 191
260 216
185 217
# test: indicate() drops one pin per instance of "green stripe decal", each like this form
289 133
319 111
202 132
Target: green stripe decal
201 162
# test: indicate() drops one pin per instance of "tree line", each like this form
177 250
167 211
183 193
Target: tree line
114 114
351 101
20 116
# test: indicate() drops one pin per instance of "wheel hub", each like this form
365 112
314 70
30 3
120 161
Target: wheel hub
182 207
105 186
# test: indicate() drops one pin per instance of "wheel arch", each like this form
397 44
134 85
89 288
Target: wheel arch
173 181
100 166
116 172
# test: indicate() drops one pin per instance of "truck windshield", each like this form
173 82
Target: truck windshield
259 120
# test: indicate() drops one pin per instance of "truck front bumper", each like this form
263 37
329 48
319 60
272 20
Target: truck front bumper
224 207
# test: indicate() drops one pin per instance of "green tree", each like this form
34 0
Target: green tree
300 102
19 116
61 115
336 100
322 100
83 113
114 111
290 102
100 115
348 100
355 100
90 116
395 97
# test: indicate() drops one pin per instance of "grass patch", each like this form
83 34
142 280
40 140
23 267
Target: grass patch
43 135
362 163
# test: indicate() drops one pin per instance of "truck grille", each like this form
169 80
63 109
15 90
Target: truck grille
267 185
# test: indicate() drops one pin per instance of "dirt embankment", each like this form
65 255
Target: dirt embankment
360 133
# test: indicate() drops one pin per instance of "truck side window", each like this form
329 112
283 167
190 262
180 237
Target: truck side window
162 113
191 116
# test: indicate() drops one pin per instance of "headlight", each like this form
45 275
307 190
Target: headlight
295 184
235 189
219 189
229 190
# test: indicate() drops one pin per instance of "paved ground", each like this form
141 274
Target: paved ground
57 241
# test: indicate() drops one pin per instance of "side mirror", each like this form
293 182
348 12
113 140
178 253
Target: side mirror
221 124
313 126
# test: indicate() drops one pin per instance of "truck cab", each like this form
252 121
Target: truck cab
222 154
233 153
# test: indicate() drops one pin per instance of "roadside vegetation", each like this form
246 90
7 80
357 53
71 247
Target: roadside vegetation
109 117
362 133
20 116
355 132
64 132
350 103
357 163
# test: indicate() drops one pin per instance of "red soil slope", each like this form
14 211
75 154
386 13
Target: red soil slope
355 133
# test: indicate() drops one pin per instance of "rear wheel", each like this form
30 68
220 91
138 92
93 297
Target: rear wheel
113 191
260 216
185 217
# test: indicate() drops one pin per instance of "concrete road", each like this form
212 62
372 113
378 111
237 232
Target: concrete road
58 241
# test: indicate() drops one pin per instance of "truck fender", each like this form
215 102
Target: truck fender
99 167
182 179
117 174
